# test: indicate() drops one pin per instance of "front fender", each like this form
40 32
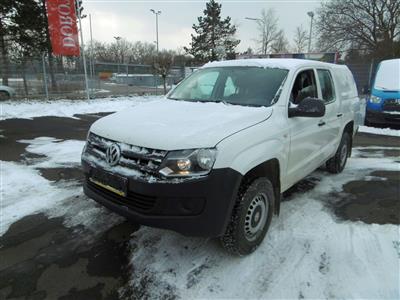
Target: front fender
251 147
258 154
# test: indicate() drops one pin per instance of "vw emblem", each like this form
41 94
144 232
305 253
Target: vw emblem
113 154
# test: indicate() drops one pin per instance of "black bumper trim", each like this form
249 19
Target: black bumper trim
199 207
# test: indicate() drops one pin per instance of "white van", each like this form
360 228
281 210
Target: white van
215 155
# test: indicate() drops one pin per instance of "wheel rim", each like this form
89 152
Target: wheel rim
256 217
343 155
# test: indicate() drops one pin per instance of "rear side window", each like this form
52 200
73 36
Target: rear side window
327 88
345 83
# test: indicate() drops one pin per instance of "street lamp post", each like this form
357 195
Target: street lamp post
117 39
311 15
263 48
157 13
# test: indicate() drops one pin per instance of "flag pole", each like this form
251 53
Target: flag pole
83 53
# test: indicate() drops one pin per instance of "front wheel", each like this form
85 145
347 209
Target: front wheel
250 218
337 163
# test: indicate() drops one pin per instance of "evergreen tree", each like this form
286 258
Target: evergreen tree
6 12
214 37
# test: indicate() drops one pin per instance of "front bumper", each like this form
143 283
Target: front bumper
194 207
382 117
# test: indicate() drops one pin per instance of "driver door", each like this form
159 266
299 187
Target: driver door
305 132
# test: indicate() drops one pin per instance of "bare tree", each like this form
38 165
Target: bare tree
142 53
269 31
163 64
121 49
281 44
300 39
372 26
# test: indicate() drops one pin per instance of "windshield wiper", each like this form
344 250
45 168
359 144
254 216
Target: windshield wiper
222 101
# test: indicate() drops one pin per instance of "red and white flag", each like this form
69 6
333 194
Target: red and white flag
62 27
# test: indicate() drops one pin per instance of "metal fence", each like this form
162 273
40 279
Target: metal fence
364 73
64 78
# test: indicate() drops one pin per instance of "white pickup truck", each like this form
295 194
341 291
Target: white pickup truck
215 155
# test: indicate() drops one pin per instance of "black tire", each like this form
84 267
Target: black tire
251 217
4 95
337 163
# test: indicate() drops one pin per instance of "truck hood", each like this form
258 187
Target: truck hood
173 125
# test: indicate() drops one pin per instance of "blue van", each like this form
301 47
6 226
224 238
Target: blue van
383 105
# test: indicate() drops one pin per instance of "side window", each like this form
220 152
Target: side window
304 86
327 88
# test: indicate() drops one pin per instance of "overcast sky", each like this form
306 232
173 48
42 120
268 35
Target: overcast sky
133 20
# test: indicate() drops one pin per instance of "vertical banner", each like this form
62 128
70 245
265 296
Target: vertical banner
62 27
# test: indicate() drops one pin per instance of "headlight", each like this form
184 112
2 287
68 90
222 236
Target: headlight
375 99
186 163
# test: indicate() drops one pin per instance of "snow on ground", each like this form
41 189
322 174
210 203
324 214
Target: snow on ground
58 153
26 109
308 253
381 131
23 191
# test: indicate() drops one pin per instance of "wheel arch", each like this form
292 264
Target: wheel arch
271 170
6 92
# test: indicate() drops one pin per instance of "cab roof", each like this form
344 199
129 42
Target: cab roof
281 63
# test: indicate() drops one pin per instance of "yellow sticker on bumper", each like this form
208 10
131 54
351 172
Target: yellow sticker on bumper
107 187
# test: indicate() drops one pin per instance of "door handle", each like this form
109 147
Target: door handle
339 115
322 123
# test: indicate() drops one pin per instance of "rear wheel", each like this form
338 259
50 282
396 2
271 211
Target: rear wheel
250 218
4 95
337 163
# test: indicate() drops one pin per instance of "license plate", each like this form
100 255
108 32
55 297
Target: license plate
110 182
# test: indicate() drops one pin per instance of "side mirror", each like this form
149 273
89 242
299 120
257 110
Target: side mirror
308 107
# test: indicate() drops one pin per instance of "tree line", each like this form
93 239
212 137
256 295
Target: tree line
362 29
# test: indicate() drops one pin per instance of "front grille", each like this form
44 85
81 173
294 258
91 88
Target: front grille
144 160
391 105
134 201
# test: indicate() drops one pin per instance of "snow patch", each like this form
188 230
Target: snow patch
28 109
280 63
59 153
24 191
381 131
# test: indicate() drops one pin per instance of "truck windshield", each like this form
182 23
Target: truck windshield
249 86
388 75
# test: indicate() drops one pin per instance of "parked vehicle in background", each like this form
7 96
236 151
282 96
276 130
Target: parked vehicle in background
214 157
6 92
383 104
